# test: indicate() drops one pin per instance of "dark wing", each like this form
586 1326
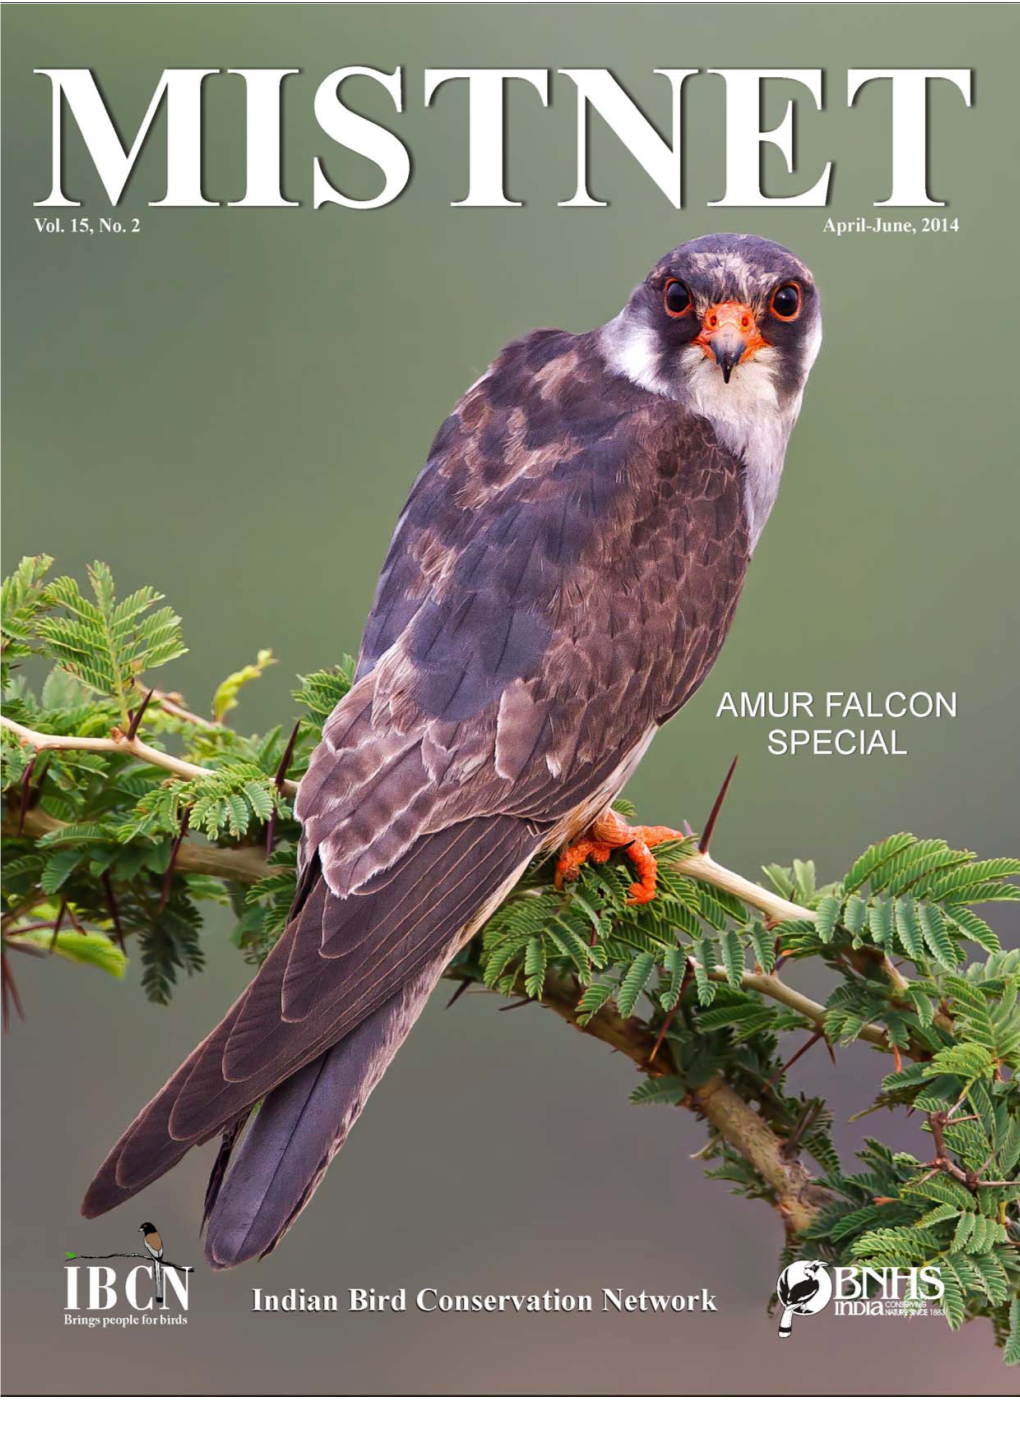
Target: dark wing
561 578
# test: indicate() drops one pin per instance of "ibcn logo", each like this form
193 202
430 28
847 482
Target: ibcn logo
153 1291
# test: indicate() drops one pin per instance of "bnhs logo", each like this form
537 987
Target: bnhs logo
808 1286
154 1290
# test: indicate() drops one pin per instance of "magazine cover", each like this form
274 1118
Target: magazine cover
509 611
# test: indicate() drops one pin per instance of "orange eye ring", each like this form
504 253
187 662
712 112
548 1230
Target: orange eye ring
786 286
671 310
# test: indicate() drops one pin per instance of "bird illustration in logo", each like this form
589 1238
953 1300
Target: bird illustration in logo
804 1288
154 1247
559 584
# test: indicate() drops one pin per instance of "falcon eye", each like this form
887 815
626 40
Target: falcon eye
677 299
786 301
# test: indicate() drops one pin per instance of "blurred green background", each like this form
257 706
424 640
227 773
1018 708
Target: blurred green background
232 405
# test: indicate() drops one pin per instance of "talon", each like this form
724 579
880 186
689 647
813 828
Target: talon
607 834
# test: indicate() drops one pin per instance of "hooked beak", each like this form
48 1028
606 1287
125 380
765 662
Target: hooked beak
730 334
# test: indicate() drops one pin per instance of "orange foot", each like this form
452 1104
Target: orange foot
605 835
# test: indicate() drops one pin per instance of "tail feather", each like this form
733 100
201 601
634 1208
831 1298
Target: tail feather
311 1075
219 1167
301 1126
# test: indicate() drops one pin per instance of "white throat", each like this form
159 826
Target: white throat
747 415
749 420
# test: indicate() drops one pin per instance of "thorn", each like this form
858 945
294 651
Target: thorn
672 1011
278 781
791 1147
138 713
26 789
10 994
663 1030
462 987
58 924
288 752
815 1037
713 816
168 875
513 1006
74 920
111 902
897 1058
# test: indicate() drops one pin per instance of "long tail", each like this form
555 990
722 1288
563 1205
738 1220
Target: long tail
299 1129
316 1028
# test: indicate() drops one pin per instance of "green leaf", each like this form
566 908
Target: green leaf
665 1090
676 965
22 599
733 958
594 998
909 929
704 961
933 926
225 696
1011 1353
878 855
534 967
633 983
762 945
967 1060
58 868
104 644
826 917
321 692
855 915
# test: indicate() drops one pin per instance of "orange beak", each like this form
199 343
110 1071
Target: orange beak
730 334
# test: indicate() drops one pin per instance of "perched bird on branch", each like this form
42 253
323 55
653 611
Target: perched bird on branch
559 583
154 1247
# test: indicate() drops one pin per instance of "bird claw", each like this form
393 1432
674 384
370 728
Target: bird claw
607 834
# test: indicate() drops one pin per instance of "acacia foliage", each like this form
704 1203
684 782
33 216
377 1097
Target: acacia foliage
93 871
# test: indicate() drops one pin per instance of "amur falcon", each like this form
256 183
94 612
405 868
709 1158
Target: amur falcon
559 583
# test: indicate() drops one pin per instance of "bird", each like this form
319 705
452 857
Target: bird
559 583
798 1286
154 1247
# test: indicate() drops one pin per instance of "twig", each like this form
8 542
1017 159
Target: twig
772 986
798 1198
232 864
172 703
146 1257
120 744
703 869
26 791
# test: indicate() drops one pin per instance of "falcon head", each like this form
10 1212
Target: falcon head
725 323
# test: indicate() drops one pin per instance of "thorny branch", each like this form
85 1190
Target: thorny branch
121 743
798 1198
